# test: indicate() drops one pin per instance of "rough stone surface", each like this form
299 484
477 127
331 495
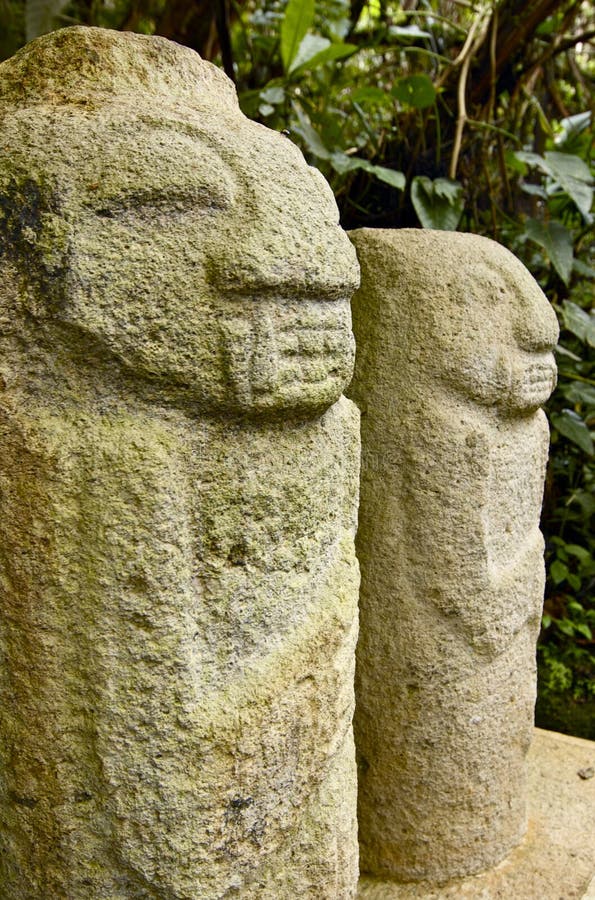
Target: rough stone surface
555 861
178 481
454 358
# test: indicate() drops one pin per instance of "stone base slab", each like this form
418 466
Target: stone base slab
556 861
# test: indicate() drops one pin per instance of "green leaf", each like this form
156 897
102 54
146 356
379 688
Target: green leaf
567 170
572 427
581 268
415 90
583 628
581 553
579 322
557 243
586 501
328 54
575 606
574 581
580 194
312 140
568 165
571 130
514 163
534 160
578 392
342 163
389 176
566 627
558 572
574 177
299 15
535 190
449 190
564 351
334 52
438 204
546 621
40 16
310 46
370 95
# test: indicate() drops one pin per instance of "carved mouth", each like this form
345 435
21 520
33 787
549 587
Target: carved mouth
538 381
308 353
281 355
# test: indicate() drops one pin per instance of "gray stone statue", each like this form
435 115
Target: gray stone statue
454 357
178 481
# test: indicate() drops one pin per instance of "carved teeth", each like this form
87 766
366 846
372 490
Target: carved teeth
311 343
235 338
265 360
262 357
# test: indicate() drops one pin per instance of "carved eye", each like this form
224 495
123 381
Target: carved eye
162 202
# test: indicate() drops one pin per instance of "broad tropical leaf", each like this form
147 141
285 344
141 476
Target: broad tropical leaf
299 15
439 203
557 243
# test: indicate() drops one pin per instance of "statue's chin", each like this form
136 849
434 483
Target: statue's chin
296 398
300 391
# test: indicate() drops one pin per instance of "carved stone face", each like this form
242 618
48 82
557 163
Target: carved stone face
495 343
200 251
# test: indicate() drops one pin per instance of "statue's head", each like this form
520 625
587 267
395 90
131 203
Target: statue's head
149 218
469 315
494 329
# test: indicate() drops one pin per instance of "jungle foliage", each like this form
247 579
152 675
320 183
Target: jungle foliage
454 114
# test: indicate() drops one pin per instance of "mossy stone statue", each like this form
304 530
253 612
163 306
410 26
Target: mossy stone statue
178 480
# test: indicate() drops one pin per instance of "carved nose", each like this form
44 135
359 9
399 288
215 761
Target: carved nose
535 325
318 264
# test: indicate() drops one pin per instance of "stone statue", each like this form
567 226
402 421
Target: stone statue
178 482
454 357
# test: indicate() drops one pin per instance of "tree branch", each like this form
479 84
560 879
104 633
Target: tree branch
517 24
222 22
470 48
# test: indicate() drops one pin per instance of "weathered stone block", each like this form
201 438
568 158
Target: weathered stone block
454 342
178 483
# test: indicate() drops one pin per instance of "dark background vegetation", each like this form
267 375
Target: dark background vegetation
446 114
